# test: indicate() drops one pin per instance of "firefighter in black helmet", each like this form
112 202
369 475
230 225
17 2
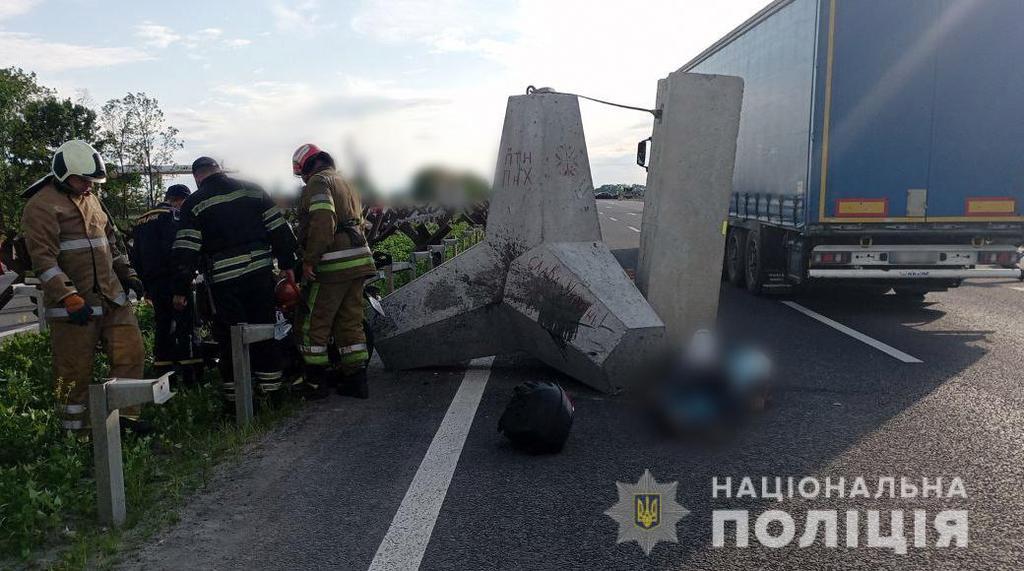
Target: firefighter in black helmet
233 232
153 236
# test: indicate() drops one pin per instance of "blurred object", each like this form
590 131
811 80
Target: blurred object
538 418
711 387
449 188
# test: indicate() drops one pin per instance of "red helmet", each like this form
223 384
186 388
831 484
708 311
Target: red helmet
286 294
302 156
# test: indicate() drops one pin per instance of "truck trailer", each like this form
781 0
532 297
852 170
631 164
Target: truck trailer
881 143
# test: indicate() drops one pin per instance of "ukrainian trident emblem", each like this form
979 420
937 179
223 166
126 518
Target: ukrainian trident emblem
647 512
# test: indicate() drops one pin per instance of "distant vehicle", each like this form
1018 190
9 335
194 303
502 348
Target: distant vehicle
606 195
880 143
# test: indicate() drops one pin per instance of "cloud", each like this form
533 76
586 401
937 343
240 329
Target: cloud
155 35
302 16
31 52
255 126
11 8
237 42
442 25
210 33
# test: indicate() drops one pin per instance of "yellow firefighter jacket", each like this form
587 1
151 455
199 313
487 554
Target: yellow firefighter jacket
330 229
74 250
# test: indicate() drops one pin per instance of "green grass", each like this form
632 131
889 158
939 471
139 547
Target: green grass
47 493
401 247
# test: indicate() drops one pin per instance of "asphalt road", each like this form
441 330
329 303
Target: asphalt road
347 481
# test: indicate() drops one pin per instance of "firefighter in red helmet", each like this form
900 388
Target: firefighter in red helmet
335 263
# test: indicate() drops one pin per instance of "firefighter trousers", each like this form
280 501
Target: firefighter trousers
332 313
74 351
173 342
247 299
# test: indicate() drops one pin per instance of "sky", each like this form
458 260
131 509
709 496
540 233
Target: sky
394 84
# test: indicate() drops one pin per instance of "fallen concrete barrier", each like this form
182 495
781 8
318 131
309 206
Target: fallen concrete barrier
542 281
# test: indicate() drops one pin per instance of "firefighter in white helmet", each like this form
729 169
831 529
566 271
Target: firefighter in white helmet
84 276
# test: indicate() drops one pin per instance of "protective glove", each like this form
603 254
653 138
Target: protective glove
78 311
135 284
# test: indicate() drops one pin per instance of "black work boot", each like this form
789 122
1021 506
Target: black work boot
354 385
314 385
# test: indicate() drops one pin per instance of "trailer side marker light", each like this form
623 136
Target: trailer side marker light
989 206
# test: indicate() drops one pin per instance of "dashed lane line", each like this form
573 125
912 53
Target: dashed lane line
891 351
632 214
406 540
633 228
613 219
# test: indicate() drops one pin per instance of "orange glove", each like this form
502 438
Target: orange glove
78 311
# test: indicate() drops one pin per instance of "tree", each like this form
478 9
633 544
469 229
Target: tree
33 123
136 130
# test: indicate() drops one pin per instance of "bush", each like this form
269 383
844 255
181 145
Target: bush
47 493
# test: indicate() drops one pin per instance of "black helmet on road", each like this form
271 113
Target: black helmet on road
538 418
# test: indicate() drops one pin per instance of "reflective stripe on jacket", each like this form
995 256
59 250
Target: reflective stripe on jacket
235 228
330 223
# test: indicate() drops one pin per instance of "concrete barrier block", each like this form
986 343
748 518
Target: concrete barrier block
574 307
541 281
687 199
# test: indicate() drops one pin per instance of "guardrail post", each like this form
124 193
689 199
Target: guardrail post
416 257
243 335
452 243
105 402
36 295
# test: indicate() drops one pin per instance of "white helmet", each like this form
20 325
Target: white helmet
79 158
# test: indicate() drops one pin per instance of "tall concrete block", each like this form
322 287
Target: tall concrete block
542 281
687 201
543 191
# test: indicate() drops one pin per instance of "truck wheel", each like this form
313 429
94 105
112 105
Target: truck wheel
735 257
754 265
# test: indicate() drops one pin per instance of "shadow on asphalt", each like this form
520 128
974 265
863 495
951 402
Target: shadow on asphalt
832 392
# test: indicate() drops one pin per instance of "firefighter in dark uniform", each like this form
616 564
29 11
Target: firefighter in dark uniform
233 232
153 236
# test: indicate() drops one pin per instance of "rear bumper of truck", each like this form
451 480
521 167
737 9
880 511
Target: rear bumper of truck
915 274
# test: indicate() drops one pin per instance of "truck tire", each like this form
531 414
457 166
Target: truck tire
754 263
735 257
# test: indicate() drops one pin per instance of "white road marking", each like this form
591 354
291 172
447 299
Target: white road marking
891 351
613 219
33 327
632 214
407 538
1018 288
634 229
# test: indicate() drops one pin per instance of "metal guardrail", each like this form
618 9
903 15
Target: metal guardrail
243 335
105 402
433 255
